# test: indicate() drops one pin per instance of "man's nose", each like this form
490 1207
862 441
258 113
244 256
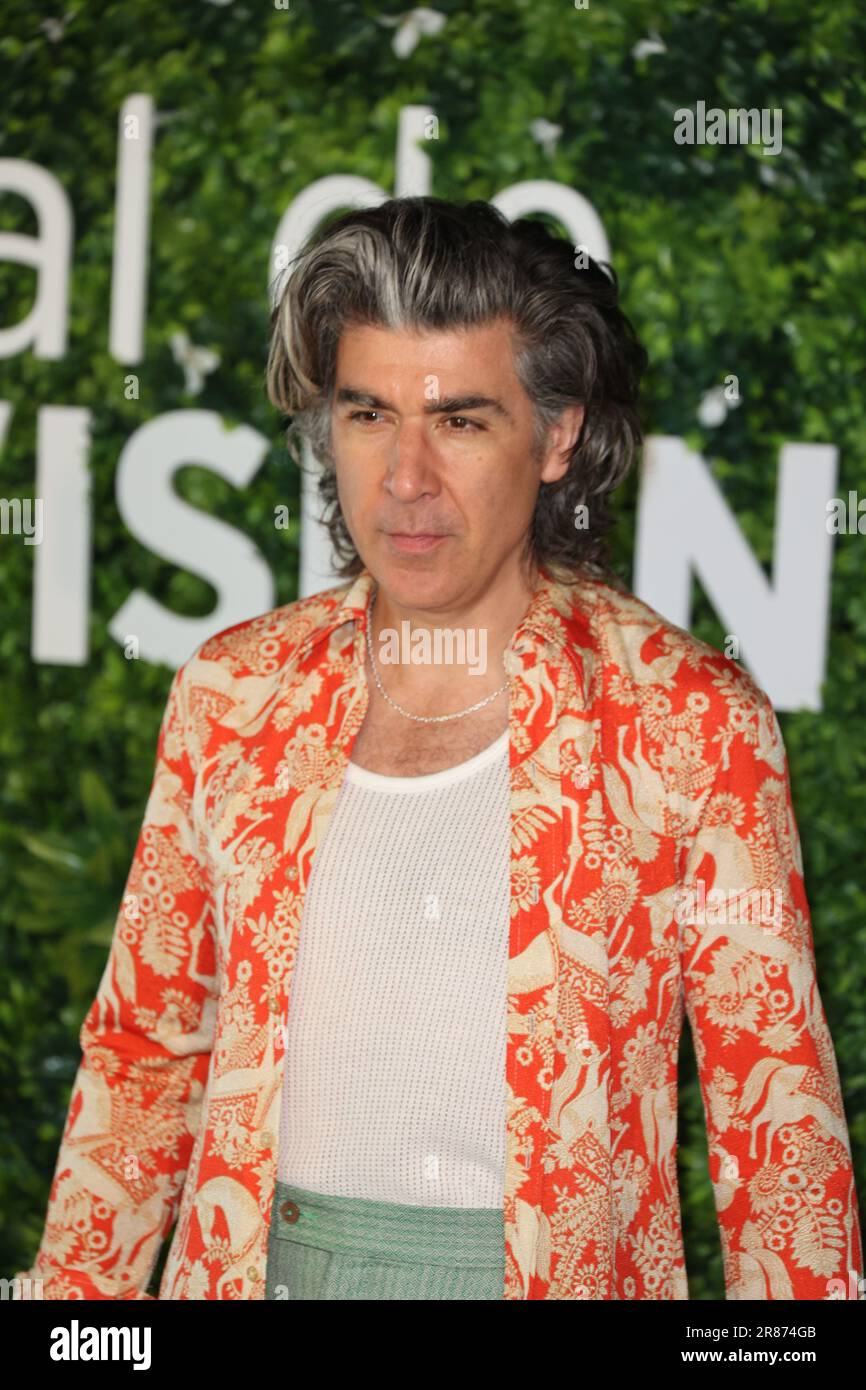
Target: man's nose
412 467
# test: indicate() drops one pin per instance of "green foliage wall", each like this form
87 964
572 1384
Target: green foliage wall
730 262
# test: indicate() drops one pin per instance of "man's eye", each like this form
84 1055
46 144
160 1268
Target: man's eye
365 417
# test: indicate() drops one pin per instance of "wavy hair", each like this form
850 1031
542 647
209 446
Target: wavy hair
425 263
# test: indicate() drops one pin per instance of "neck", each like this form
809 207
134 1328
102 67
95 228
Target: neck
440 659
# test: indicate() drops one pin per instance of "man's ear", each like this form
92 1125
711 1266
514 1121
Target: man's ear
561 439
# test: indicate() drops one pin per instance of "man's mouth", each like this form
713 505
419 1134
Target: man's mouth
415 540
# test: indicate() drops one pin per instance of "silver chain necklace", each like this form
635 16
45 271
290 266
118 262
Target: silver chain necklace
421 718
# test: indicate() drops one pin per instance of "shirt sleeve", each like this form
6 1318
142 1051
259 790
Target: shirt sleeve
779 1149
146 1041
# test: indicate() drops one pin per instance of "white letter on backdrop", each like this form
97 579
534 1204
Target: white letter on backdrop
685 527
61 563
50 254
131 229
186 537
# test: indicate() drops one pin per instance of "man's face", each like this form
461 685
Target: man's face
432 435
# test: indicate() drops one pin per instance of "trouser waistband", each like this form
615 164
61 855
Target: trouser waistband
430 1235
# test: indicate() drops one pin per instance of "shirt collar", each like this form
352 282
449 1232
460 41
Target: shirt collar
546 627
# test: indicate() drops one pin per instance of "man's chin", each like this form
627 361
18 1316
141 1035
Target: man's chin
430 572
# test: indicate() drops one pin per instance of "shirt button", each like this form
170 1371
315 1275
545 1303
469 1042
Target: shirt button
290 1212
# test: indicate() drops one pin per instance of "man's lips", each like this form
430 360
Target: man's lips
411 541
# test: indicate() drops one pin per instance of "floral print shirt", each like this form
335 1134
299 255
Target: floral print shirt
655 871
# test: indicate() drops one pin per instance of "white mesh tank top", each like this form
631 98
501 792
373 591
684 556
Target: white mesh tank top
394 1084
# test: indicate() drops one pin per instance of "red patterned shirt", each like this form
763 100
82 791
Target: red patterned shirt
655 871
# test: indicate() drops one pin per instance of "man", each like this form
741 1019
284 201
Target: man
394 1006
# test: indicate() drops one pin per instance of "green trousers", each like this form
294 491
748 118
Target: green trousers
324 1247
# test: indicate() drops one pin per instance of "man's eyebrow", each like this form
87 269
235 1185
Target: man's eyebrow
445 405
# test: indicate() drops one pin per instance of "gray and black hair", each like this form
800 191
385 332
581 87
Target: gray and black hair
424 263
